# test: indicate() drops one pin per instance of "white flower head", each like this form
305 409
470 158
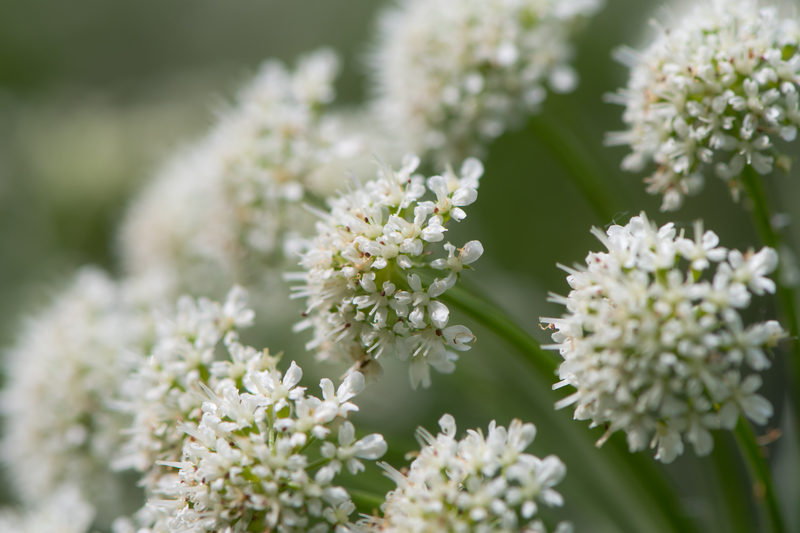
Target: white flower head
371 285
262 459
653 340
61 376
64 510
479 483
719 89
454 74
224 208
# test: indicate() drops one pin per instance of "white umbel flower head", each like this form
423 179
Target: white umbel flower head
718 88
454 74
480 483
655 346
164 390
220 210
63 511
371 284
61 376
264 455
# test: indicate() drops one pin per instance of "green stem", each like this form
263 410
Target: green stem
573 155
759 470
731 485
545 364
762 216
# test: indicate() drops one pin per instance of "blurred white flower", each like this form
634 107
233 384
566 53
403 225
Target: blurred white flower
364 295
454 74
63 511
657 350
480 483
717 88
61 376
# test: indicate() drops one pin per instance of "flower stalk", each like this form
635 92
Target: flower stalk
763 487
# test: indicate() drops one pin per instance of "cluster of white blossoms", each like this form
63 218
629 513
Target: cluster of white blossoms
454 74
63 511
719 87
252 449
164 390
657 350
218 212
369 273
480 483
60 378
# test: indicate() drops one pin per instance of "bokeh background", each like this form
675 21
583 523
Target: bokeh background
94 94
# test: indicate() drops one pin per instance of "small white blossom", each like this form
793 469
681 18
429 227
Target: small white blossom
364 272
656 349
454 74
480 483
718 89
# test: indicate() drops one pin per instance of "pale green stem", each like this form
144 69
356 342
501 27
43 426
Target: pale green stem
763 488
732 486
545 364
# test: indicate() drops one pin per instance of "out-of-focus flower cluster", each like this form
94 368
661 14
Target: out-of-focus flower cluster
61 378
365 295
252 449
480 483
62 511
219 211
455 74
719 87
655 349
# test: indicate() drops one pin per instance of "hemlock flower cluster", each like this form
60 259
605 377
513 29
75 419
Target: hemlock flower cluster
657 350
718 88
252 449
480 483
61 377
365 295
164 390
455 74
220 210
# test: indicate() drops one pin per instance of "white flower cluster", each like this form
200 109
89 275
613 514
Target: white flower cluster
478 484
163 391
63 511
60 378
365 294
218 212
656 350
455 74
264 458
720 88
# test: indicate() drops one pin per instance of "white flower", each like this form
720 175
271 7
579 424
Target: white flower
63 511
365 281
60 377
717 88
225 207
259 474
656 350
475 484
164 391
454 74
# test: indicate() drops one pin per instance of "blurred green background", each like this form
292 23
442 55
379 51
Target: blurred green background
93 94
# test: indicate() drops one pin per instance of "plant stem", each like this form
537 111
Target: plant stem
732 486
573 155
762 216
759 470
641 467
